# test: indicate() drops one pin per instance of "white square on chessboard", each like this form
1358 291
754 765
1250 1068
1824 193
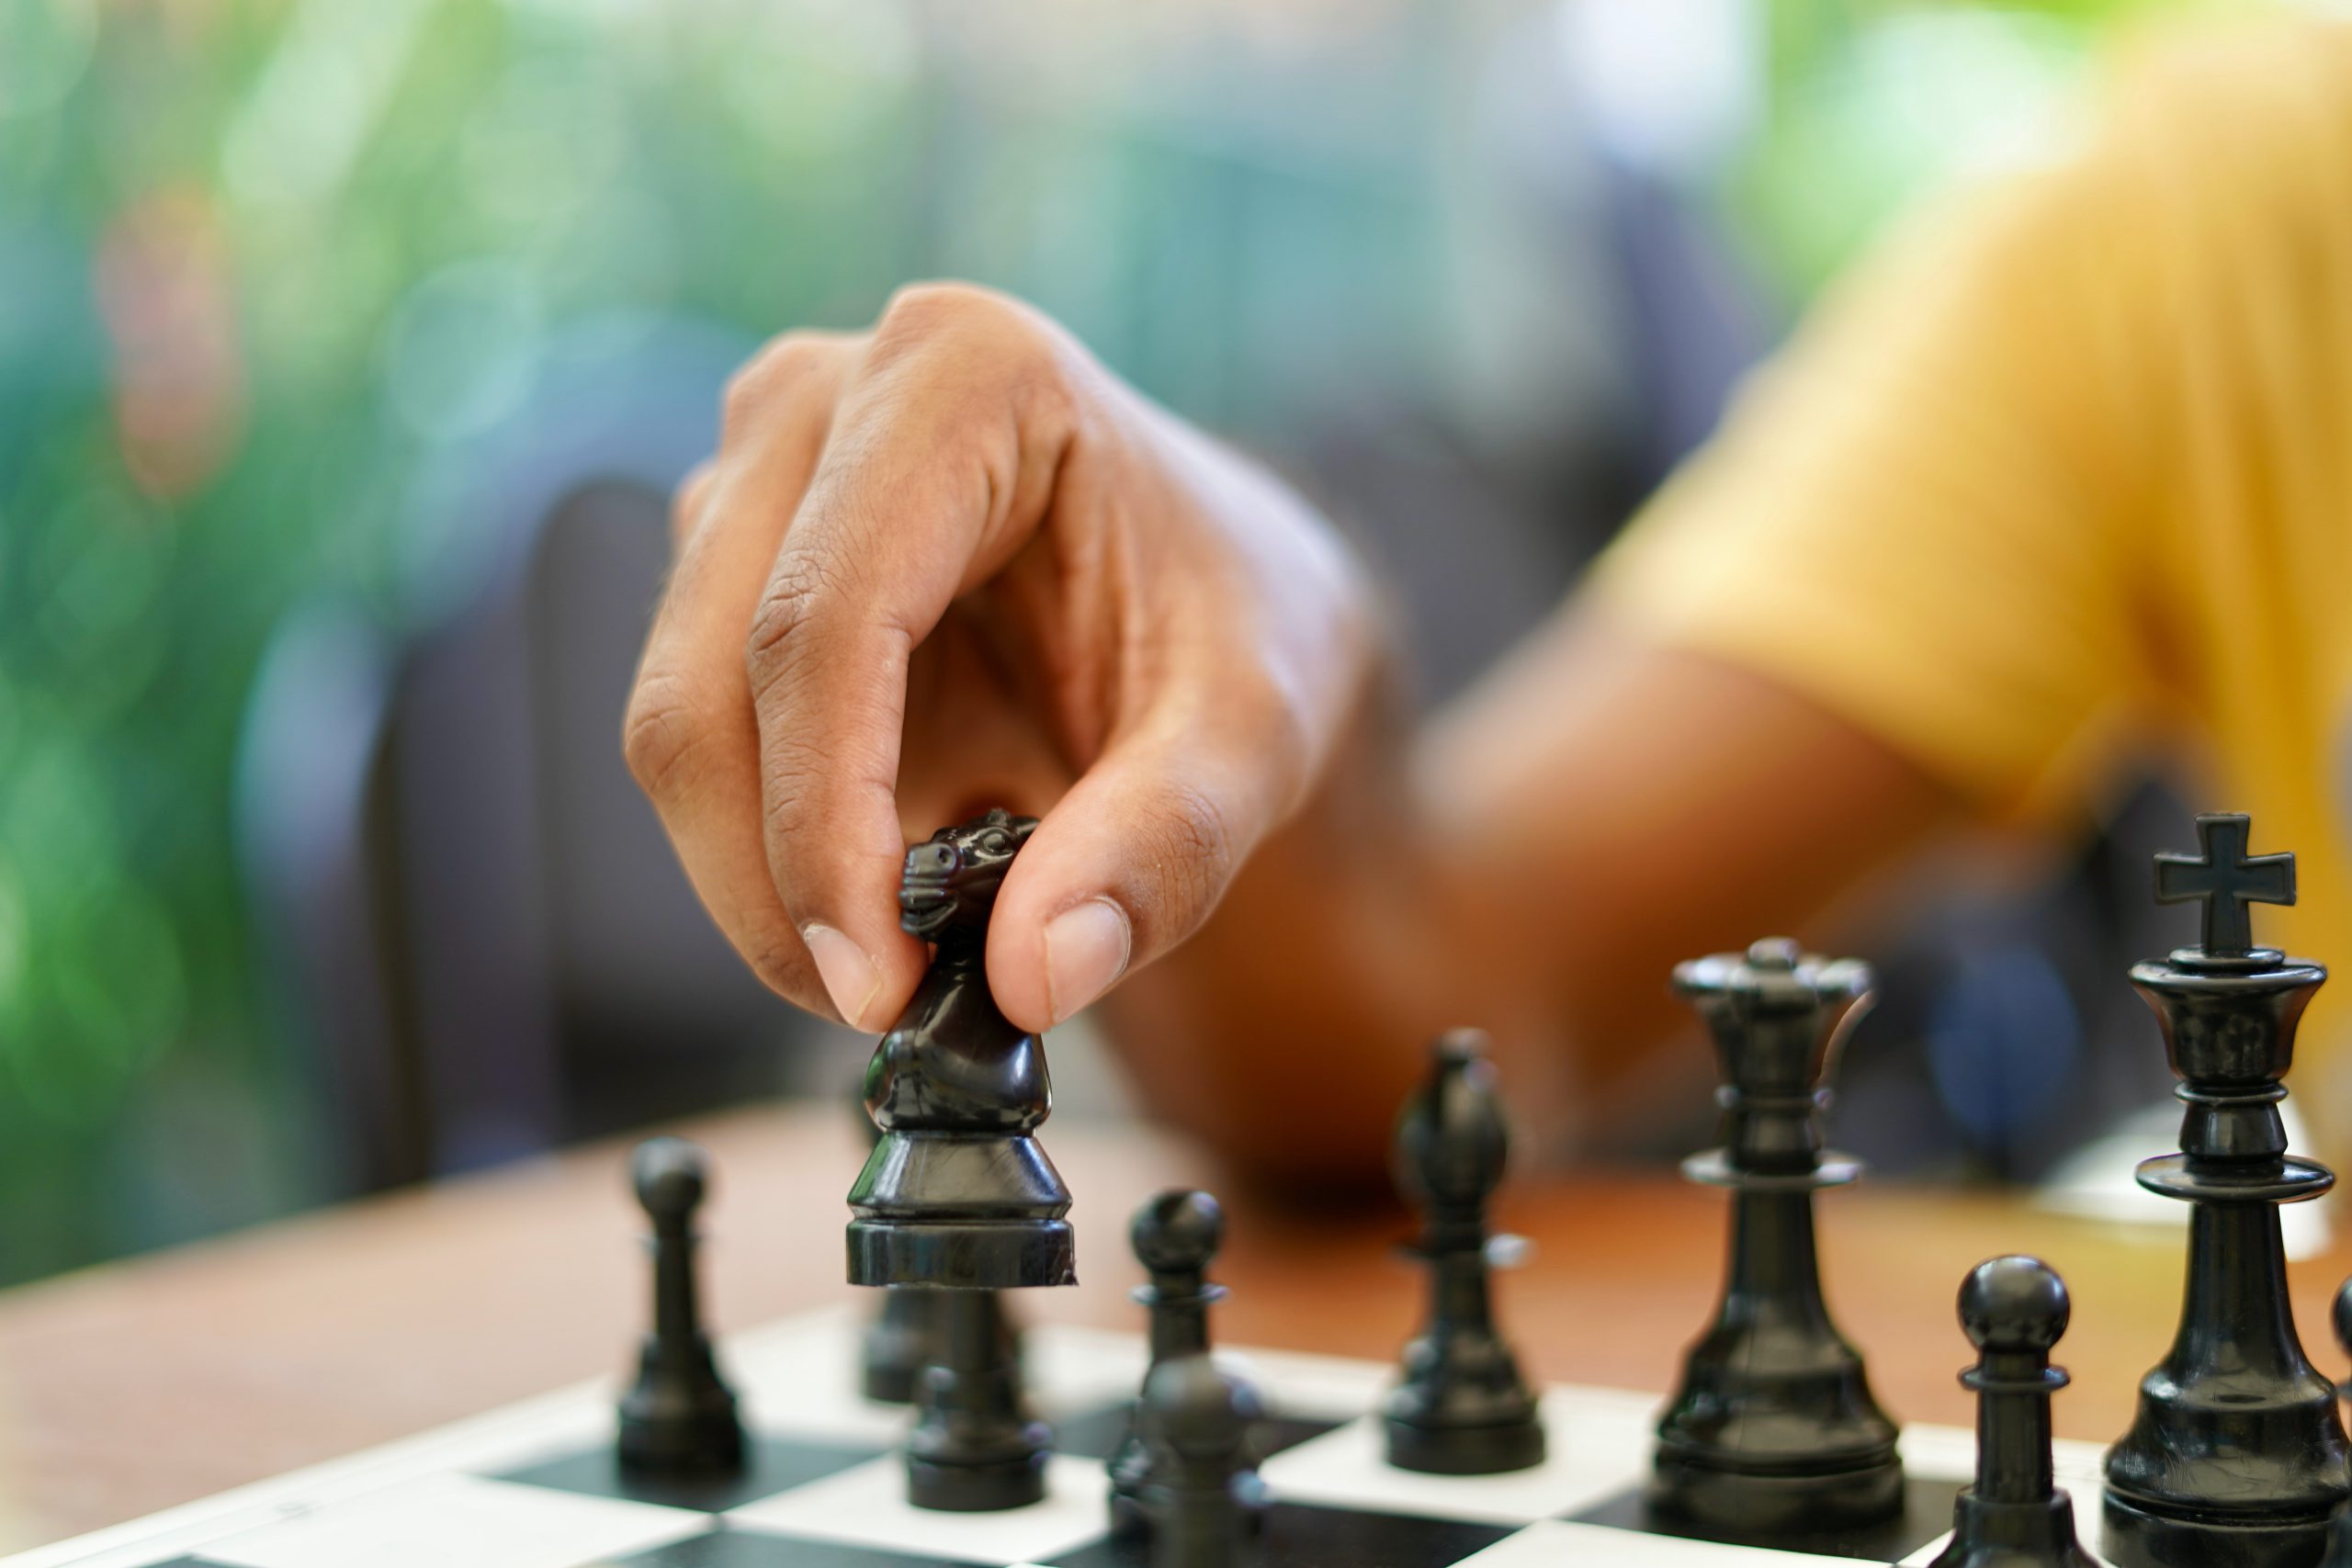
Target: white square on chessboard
867 1506
460 1521
1348 1467
1550 1543
802 1378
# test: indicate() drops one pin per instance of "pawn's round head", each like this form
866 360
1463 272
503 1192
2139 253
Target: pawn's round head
2014 1304
2343 1316
1197 1408
1177 1230
671 1175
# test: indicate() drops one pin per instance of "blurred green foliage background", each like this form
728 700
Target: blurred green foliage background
261 260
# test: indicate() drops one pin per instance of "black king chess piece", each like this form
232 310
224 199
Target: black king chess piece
2236 1458
678 1418
1461 1409
2013 1310
1174 1235
957 1193
1773 1429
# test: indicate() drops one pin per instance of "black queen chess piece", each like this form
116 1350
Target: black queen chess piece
2013 1310
1462 1407
957 1192
2236 1458
1773 1429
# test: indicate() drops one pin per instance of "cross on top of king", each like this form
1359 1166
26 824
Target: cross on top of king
2226 880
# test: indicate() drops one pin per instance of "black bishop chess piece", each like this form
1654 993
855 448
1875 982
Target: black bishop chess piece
1174 1236
1462 1407
1773 1429
975 1446
957 1191
2338 1552
2236 1457
679 1417
2013 1310
1196 1419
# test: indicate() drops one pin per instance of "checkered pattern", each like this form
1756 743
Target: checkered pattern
536 1487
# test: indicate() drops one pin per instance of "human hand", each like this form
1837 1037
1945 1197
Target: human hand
954 562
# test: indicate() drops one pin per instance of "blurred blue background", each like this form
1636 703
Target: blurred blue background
349 347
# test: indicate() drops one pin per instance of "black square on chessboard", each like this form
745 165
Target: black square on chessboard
1304 1535
1094 1434
1926 1513
751 1548
771 1465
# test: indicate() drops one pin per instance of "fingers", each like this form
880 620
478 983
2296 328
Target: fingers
1135 856
689 736
940 462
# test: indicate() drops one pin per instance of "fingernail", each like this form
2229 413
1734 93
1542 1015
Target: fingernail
851 978
1086 949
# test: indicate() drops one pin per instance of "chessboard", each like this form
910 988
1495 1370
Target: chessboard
536 1485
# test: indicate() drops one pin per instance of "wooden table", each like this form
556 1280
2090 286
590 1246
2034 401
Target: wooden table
129 1388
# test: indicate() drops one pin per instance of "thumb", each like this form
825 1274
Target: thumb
1128 864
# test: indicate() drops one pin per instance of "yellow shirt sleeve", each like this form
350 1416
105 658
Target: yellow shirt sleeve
1950 510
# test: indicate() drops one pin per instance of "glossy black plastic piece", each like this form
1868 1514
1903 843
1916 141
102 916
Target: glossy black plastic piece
1175 1235
957 1192
1461 1409
2237 1457
1773 1429
678 1418
2339 1552
1196 1419
2013 1310
974 1447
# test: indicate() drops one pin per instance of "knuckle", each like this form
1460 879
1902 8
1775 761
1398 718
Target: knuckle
797 595
661 734
1195 848
767 380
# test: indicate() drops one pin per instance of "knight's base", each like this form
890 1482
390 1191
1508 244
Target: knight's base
1465 1450
2013 1535
2133 1536
1729 1500
964 1255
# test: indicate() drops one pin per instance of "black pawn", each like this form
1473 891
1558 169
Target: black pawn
679 1418
974 1447
2338 1553
1174 1235
1773 1429
2013 1310
2236 1455
1463 1408
1197 1420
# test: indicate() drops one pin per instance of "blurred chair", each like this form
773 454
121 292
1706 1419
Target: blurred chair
480 931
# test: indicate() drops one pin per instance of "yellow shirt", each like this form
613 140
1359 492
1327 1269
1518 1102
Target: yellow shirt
2067 469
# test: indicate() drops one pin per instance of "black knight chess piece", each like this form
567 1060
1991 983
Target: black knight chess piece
2013 1310
2236 1458
902 1337
678 1418
957 1192
1773 1429
974 1447
1461 1409
1196 1419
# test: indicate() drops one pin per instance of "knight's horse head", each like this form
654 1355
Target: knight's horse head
951 879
